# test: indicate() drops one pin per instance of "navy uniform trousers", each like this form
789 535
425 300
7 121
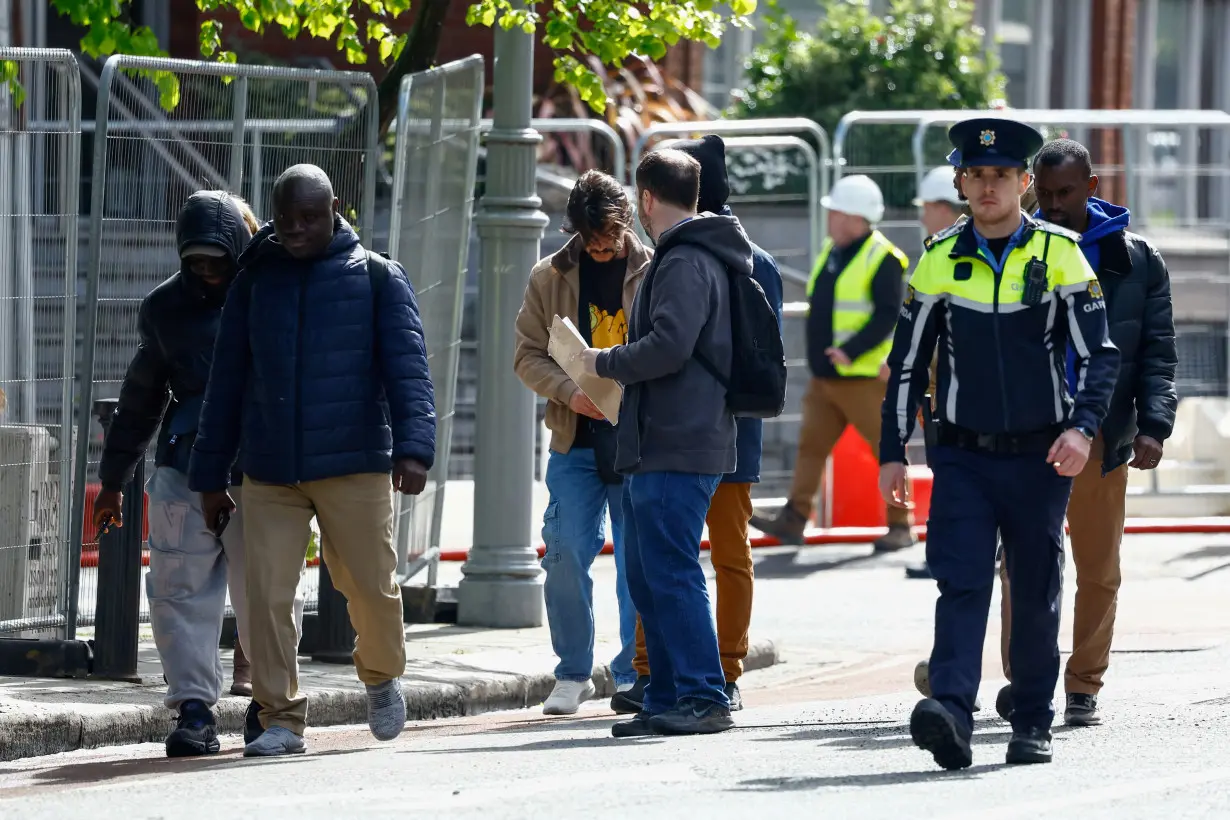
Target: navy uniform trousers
976 498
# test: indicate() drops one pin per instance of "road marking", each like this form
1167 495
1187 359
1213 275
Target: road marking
1102 796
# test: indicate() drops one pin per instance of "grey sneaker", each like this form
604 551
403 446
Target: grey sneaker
276 741
1082 710
386 710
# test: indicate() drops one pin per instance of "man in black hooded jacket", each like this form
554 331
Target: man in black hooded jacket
189 566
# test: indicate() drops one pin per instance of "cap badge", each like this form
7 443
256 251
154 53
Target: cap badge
987 137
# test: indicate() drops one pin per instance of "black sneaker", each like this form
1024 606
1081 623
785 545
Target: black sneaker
933 728
693 716
918 571
629 701
195 733
1030 746
734 696
1082 711
1004 703
639 726
252 728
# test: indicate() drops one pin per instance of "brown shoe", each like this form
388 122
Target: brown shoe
242 684
897 538
786 527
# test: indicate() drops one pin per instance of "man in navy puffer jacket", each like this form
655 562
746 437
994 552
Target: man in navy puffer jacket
320 380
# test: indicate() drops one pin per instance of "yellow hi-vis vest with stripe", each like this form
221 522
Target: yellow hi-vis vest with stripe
852 302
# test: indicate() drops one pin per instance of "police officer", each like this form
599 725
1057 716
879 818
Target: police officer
1002 295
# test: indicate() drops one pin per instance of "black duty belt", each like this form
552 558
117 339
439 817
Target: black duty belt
1004 444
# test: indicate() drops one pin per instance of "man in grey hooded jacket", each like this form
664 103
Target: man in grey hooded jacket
676 439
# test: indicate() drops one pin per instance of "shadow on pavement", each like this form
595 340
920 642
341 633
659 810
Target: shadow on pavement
879 779
95 772
595 742
886 729
786 565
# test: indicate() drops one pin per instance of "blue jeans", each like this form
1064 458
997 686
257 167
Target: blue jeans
664 515
1022 499
573 532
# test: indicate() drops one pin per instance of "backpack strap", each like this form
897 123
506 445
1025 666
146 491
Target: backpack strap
378 274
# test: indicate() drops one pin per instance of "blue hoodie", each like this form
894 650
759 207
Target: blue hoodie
1104 220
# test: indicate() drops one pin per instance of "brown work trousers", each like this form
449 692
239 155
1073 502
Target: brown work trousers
355 513
828 406
731 554
1096 514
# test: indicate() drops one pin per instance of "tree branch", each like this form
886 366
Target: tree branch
419 54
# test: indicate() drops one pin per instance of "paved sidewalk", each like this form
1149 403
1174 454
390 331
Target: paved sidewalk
451 671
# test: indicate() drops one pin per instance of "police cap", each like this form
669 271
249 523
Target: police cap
954 158
994 141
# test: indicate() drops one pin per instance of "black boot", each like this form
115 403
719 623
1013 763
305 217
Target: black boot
195 733
1029 746
934 729
629 701
252 728
734 696
639 726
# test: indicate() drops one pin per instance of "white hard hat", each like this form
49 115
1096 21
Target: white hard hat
937 187
857 195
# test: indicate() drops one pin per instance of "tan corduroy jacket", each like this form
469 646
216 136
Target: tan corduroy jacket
554 290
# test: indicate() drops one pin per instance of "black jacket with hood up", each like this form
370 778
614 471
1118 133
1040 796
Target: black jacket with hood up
176 326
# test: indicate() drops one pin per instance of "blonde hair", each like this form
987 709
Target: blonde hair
245 210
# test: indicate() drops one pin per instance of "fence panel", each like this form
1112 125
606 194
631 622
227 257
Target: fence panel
235 127
40 144
439 121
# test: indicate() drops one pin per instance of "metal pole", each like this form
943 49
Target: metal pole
118 610
239 113
502 584
1041 49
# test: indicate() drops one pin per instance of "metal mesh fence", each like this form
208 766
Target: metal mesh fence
235 127
438 127
40 142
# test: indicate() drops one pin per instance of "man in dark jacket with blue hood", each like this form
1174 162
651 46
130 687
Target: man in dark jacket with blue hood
1141 417
320 380
190 568
730 511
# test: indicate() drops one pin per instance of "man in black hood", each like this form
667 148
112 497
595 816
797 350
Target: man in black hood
190 569
730 511
675 439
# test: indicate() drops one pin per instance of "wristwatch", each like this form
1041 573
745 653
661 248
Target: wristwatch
1084 432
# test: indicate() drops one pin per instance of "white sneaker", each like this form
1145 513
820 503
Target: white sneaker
567 696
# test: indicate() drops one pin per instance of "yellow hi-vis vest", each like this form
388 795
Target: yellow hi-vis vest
852 302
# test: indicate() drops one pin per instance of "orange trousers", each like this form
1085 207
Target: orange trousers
1097 511
731 554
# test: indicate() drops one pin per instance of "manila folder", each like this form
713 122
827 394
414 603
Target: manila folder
565 346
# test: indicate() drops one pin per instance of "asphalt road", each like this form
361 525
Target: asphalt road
823 733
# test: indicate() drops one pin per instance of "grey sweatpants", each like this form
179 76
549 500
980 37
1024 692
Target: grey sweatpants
189 572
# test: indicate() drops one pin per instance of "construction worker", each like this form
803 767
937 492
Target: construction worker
854 295
1000 295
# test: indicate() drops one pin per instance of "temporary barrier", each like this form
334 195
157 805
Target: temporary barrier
40 144
436 158
235 127
1162 181
738 147
797 126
